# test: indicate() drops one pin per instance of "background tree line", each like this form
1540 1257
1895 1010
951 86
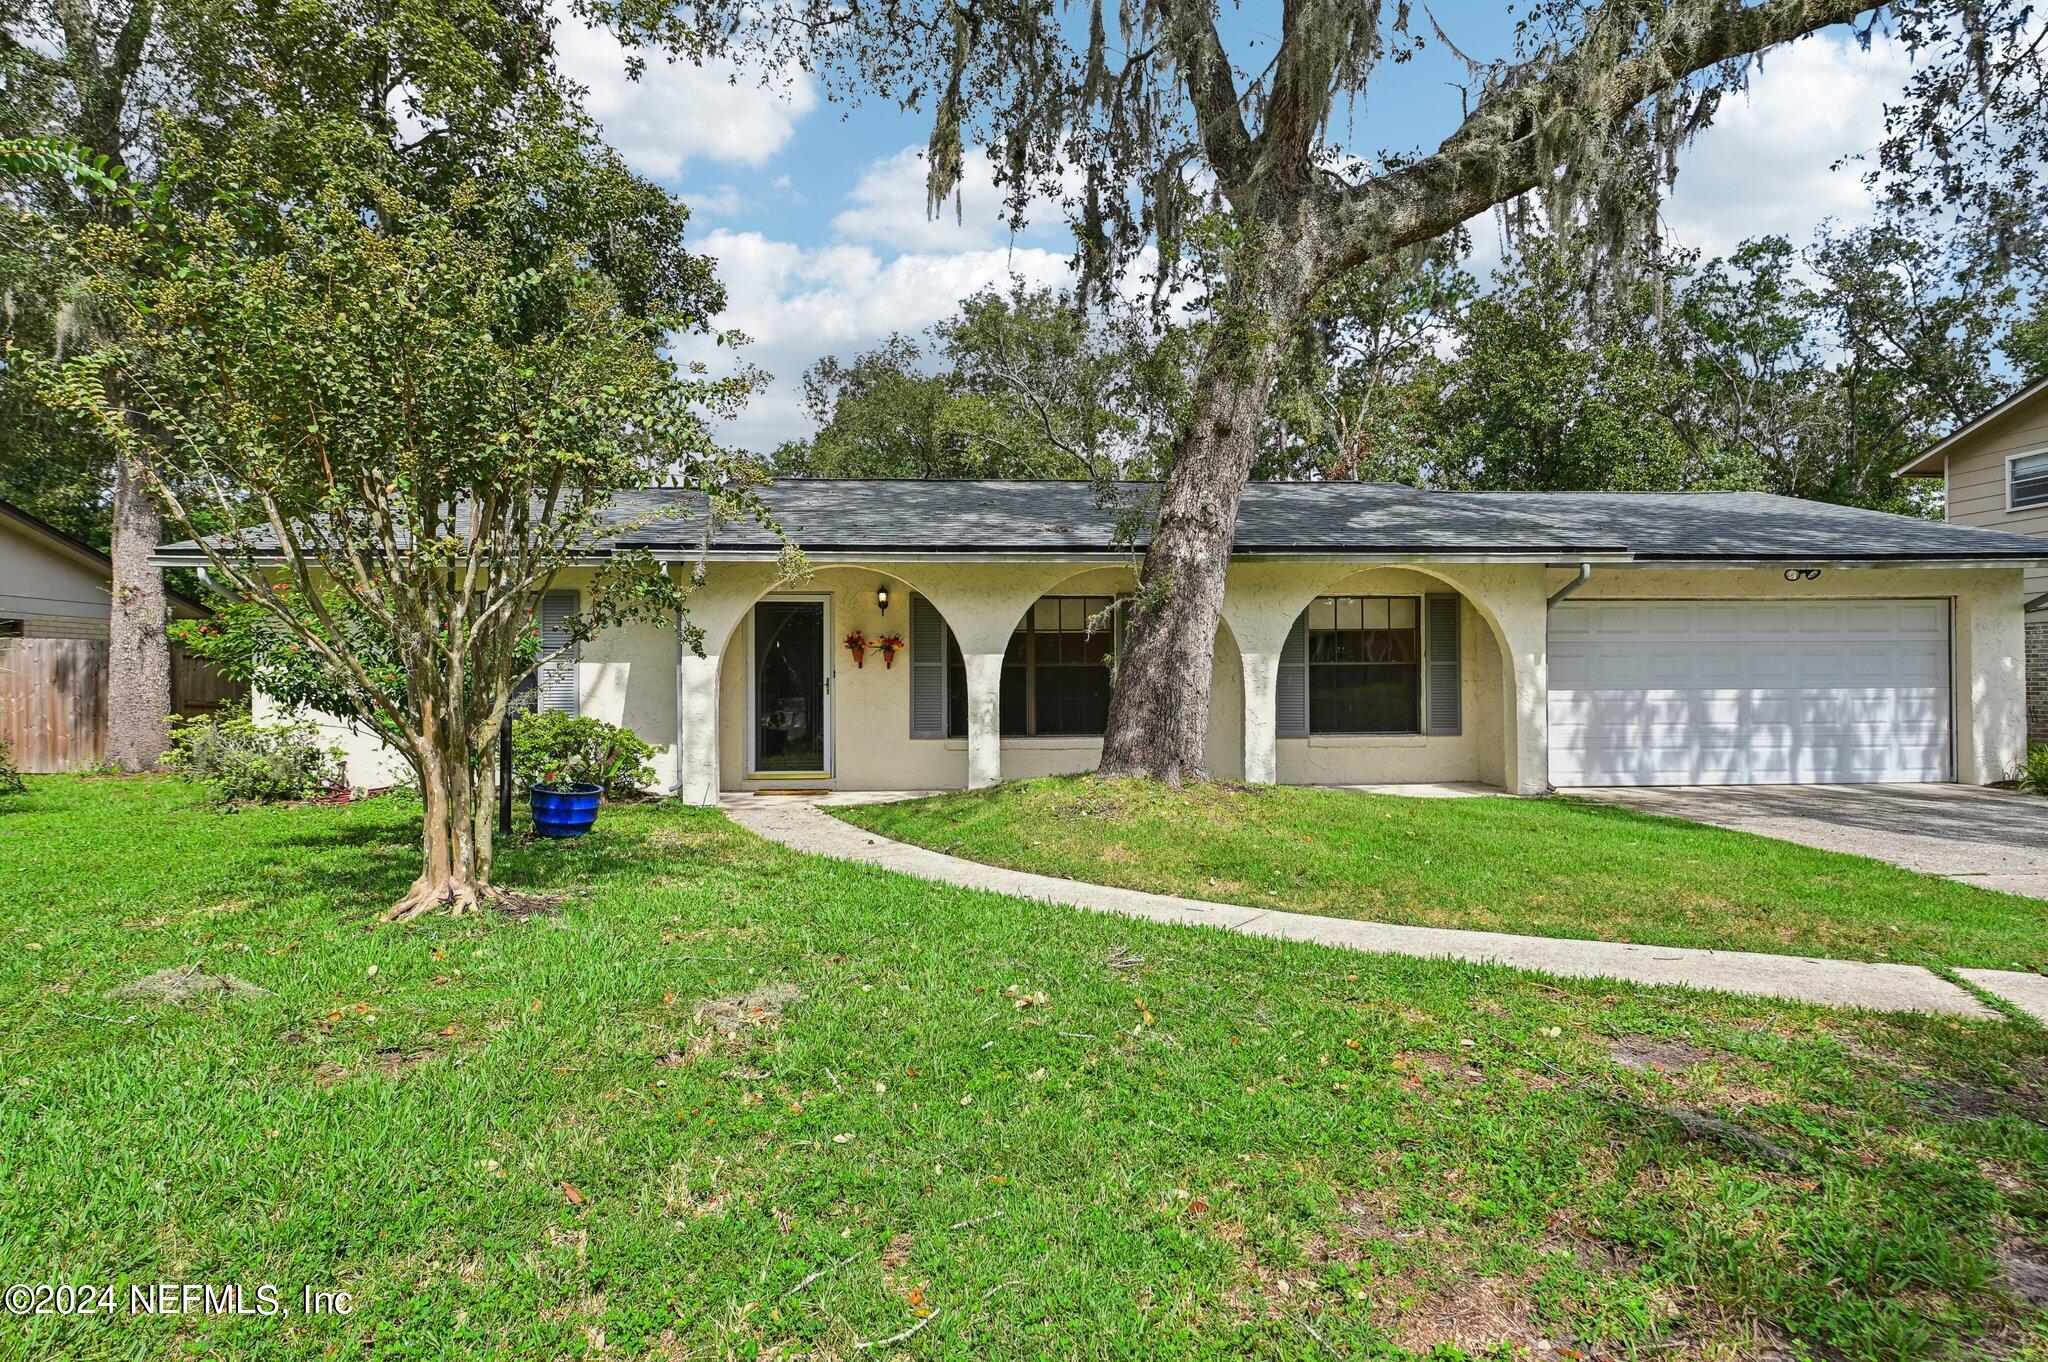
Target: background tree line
1811 373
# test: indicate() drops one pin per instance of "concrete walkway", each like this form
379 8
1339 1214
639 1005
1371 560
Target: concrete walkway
799 823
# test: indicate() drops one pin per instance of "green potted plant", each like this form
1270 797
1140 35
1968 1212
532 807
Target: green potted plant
569 764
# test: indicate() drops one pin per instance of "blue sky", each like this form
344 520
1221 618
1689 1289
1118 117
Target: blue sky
816 212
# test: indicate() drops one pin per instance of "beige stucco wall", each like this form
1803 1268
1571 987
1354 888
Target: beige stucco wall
638 675
624 676
872 746
1503 656
1359 759
1976 476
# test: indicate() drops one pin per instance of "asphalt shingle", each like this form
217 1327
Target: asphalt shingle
880 516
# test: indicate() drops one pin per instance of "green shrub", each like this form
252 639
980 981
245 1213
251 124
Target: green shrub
237 758
10 775
558 749
2034 770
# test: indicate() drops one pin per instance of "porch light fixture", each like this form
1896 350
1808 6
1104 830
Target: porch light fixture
882 598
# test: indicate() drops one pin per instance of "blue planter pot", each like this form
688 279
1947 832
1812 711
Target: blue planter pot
564 810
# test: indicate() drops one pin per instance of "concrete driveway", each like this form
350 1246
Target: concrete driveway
1992 838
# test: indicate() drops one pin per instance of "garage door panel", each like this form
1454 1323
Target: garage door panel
1735 692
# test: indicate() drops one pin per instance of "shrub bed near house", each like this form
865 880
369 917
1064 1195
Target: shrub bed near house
562 749
2033 773
241 761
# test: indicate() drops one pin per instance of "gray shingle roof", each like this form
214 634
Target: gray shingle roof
1750 525
879 516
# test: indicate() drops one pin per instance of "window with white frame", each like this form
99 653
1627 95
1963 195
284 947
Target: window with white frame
2026 480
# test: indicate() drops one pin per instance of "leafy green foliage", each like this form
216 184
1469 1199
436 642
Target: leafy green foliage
239 760
51 156
417 403
2033 772
1812 374
10 774
552 748
1023 384
249 643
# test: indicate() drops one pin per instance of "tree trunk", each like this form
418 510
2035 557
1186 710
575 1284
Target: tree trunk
458 794
139 648
1159 706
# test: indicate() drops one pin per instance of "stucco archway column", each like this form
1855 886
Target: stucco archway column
1514 602
1260 604
715 608
984 718
1261 735
1990 678
982 604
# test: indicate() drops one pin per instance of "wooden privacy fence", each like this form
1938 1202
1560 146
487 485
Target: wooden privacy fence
53 698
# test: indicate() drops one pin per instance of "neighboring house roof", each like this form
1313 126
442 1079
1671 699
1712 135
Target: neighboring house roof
1930 462
911 518
85 555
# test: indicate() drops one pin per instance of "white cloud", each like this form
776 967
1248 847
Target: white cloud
1768 162
889 207
796 304
677 111
719 201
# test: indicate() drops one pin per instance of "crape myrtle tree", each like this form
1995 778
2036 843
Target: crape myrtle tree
1155 138
413 414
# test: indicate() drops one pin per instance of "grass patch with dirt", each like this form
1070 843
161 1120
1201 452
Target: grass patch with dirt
728 1101
1543 867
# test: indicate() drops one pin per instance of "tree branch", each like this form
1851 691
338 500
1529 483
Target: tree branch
1212 88
1497 152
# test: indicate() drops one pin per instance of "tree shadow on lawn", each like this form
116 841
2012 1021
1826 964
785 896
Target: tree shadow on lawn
372 866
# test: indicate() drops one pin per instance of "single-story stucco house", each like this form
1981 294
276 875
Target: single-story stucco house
1370 634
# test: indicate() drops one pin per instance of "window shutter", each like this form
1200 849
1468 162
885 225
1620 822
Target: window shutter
557 679
927 669
1290 694
1442 692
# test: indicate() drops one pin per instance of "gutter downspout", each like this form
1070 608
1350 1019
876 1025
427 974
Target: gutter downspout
1585 575
2037 603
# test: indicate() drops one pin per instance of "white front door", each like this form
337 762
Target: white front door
1749 692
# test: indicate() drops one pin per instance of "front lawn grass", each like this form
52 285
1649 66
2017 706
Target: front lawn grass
988 1129
1542 867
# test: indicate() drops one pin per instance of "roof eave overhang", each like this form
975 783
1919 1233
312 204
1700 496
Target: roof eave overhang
1911 560
886 554
1931 461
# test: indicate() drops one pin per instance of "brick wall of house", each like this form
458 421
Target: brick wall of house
78 626
2037 681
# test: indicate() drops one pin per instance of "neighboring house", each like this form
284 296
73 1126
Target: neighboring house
55 601
1994 471
1370 633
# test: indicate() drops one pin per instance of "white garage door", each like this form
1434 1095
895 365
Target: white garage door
1748 692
